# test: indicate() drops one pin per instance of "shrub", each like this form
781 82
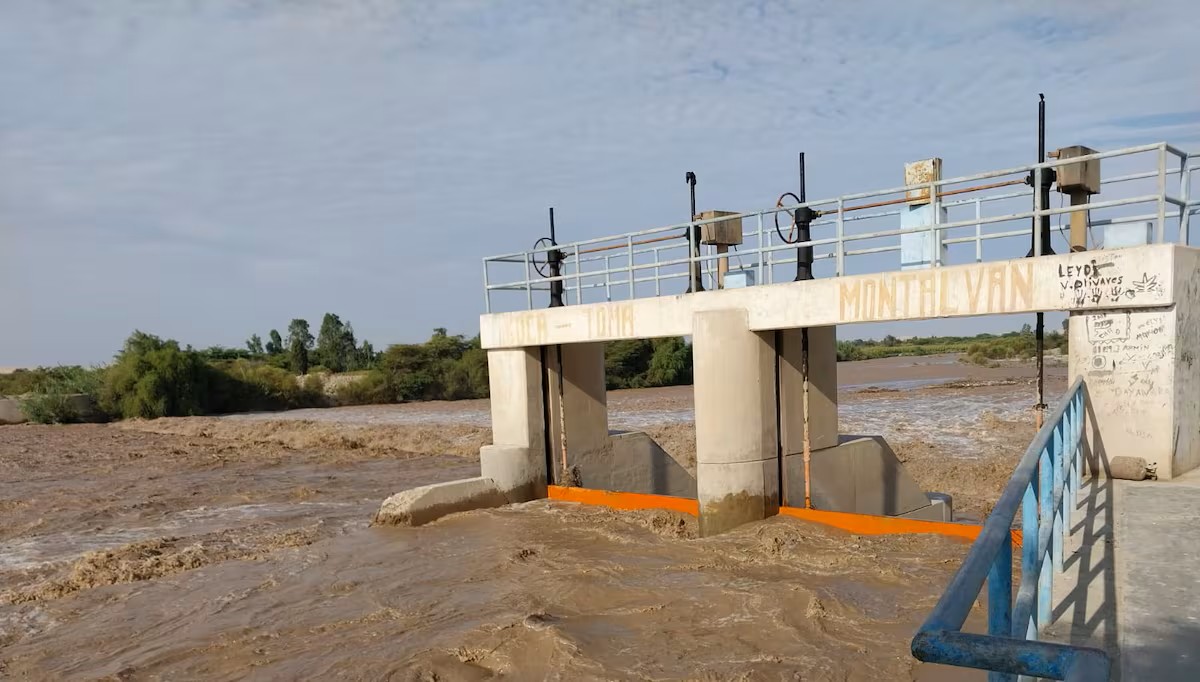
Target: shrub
51 402
49 408
243 385
371 389
155 378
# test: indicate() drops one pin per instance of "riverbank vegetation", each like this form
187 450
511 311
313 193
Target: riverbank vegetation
153 377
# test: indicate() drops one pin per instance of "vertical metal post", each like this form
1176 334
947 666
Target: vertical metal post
554 259
1068 462
657 275
1080 418
841 247
578 277
803 218
935 235
1057 452
528 282
770 257
1185 187
1045 520
694 282
1161 233
607 281
631 283
487 293
1037 207
1029 533
761 253
1042 223
978 231
999 586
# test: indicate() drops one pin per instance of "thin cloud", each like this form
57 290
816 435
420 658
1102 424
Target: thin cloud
285 159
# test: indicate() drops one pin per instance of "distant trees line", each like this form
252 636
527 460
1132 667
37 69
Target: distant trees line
979 349
152 377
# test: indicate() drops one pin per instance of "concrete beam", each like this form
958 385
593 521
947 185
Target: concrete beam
1079 281
431 502
736 446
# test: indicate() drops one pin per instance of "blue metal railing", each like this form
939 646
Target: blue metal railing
1045 486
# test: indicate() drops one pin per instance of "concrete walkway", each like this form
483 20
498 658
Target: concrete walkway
1131 581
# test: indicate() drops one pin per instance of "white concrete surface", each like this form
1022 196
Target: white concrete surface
1079 281
515 379
427 503
1140 367
736 445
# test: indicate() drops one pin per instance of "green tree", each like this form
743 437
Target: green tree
348 348
155 378
365 357
670 363
275 344
300 341
330 348
626 363
255 345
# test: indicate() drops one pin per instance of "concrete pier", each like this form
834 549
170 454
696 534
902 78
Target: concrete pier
516 460
1141 364
737 477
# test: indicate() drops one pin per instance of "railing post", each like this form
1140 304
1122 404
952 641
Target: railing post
841 232
1080 418
1068 498
487 293
528 282
935 235
1057 457
631 287
1161 233
607 281
978 232
1045 520
1185 188
578 277
1029 533
762 254
770 256
999 586
657 275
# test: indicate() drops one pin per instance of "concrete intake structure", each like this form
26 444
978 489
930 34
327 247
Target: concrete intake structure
1134 335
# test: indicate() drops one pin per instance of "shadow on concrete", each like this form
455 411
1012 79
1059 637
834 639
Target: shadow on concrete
1085 594
633 463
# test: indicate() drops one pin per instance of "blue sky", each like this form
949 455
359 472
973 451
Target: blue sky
207 170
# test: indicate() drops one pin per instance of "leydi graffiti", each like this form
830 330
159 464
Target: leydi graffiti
1099 283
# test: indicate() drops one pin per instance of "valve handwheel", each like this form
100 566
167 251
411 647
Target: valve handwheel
791 237
542 266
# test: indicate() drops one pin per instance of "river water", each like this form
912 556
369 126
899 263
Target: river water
240 548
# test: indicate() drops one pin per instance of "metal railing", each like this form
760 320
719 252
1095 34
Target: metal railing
636 264
1045 486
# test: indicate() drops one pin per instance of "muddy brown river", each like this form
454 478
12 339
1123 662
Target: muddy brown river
239 548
